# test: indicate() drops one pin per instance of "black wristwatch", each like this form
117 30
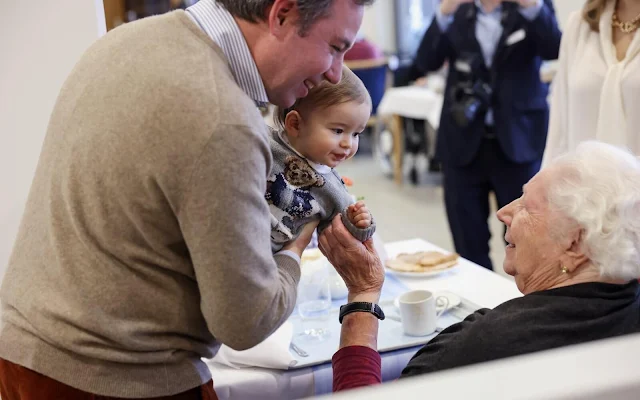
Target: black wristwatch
361 306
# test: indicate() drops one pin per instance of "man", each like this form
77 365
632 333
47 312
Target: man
145 239
494 121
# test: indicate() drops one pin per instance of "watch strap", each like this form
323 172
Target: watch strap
361 306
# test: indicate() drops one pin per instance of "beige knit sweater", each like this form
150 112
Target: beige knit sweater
145 239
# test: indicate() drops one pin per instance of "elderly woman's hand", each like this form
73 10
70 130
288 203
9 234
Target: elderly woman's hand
357 263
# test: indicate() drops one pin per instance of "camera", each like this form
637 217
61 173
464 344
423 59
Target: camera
471 95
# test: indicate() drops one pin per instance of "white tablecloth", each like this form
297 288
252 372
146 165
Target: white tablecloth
416 102
470 281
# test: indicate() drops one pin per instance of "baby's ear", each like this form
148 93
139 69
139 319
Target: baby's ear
292 123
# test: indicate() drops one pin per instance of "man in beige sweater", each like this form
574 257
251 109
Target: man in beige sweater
145 239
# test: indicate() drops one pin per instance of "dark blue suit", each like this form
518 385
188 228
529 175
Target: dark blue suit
477 159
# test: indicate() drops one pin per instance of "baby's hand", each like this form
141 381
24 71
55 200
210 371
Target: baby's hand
359 215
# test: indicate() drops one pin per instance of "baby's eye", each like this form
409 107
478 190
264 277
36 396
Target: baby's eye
356 134
339 131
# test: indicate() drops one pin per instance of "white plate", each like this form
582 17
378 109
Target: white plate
424 274
454 300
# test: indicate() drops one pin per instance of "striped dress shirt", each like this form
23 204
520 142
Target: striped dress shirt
220 26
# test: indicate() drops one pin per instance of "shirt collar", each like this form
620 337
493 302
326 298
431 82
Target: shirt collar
222 28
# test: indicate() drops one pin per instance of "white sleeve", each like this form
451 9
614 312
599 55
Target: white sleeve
557 135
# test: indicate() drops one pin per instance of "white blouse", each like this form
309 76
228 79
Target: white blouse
595 96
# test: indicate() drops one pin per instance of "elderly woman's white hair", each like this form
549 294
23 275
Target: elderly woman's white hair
599 189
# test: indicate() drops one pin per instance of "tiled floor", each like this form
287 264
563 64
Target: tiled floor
410 211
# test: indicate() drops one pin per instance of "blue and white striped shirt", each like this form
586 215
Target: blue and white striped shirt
220 26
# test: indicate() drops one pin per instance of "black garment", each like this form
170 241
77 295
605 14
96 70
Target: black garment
466 196
538 321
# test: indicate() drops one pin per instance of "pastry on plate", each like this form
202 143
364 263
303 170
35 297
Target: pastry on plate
423 261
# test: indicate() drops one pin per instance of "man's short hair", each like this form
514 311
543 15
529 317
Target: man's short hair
310 10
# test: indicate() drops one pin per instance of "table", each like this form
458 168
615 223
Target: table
469 280
417 102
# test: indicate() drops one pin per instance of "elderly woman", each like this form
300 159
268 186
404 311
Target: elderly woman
573 249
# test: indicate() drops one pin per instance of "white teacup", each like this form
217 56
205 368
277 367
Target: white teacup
418 312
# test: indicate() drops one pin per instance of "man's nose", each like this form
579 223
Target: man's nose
334 73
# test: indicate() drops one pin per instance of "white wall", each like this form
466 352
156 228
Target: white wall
40 41
565 7
379 26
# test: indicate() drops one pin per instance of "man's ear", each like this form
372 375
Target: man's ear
292 123
282 16
574 256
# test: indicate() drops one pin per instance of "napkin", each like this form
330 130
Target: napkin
273 352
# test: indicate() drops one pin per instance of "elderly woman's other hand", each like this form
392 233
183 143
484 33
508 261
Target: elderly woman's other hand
357 263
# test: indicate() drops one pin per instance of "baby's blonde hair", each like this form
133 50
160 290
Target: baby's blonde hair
326 94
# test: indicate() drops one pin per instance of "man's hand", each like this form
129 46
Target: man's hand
359 215
357 263
448 7
300 243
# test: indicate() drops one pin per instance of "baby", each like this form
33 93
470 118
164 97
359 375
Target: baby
315 135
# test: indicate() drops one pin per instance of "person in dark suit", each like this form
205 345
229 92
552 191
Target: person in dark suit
493 126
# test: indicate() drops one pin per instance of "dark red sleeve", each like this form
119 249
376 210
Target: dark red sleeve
356 366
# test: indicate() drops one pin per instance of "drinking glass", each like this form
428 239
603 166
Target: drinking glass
314 300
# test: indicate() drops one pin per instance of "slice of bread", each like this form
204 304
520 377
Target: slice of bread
423 261
435 258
